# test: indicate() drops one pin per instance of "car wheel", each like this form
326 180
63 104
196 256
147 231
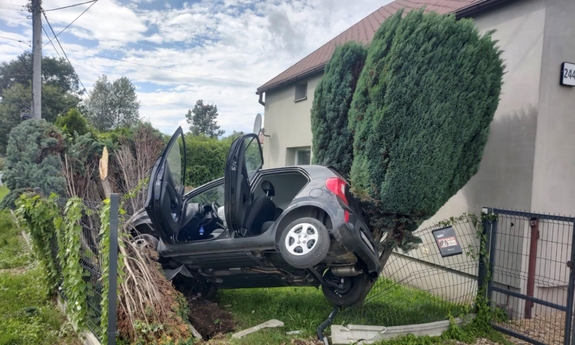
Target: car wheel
349 291
304 243
145 241
196 289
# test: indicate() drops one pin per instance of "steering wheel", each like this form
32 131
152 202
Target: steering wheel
214 211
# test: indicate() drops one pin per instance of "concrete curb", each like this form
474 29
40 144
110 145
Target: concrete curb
364 334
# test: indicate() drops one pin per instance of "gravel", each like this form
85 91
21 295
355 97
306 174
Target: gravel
548 329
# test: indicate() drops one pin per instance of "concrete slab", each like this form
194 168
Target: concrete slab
364 334
268 324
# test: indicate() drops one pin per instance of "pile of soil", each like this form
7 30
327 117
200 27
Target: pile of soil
209 319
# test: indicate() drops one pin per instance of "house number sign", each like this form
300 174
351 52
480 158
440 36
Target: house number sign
568 74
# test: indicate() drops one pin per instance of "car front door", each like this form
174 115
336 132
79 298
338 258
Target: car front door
166 187
244 160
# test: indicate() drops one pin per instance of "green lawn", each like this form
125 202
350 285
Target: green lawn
304 309
28 315
3 191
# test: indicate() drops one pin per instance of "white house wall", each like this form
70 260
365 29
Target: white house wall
554 174
505 176
287 123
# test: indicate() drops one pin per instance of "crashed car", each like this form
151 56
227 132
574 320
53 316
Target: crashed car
289 226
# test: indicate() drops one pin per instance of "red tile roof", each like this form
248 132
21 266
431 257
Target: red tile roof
363 32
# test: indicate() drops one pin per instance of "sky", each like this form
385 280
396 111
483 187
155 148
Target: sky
176 52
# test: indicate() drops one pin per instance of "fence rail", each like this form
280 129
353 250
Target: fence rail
438 287
531 275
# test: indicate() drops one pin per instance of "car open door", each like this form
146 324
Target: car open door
166 187
244 160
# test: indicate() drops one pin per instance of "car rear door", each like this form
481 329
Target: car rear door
244 160
166 187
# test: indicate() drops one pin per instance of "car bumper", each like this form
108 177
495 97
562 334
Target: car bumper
354 236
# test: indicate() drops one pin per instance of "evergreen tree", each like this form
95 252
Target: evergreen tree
73 123
33 160
332 140
203 120
420 116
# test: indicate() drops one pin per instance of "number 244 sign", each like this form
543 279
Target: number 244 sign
568 74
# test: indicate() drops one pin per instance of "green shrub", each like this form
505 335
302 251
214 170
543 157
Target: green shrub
420 117
1 163
33 160
73 123
332 140
205 159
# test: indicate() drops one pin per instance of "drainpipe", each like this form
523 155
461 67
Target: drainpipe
532 266
260 101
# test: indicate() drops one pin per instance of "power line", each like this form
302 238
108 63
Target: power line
173 70
67 26
52 42
13 39
61 8
63 51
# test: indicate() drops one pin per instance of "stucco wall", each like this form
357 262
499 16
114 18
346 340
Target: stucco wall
287 122
554 174
505 176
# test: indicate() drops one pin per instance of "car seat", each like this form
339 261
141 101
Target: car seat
261 210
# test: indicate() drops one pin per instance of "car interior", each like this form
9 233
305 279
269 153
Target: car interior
272 194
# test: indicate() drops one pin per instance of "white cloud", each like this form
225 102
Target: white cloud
218 51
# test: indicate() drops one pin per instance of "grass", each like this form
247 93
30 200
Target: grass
28 315
3 191
392 304
304 309
12 246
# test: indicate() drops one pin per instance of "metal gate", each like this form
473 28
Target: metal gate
532 277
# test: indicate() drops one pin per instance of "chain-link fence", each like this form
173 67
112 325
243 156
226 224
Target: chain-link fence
421 286
91 261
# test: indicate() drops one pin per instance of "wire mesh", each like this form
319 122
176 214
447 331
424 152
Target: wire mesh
91 261
421 286
530 257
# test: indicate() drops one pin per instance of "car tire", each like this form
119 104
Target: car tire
349 293
304 243
193 288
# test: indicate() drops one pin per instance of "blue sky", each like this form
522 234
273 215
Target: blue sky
177 52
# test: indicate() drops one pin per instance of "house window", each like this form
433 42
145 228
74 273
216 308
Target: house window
298 155
303 157
300 92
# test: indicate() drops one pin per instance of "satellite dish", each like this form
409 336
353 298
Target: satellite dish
258 124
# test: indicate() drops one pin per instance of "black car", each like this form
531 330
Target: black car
290 226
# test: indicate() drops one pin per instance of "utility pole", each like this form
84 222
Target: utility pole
37 59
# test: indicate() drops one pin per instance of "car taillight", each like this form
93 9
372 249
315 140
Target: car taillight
337 186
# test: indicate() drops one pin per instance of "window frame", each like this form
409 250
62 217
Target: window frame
299 86
297 151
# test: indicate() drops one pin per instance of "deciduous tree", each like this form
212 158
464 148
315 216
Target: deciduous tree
112 104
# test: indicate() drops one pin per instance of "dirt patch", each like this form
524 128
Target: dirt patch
209 319
17 270
223 340
304 342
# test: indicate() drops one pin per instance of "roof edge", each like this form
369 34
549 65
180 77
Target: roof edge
306 74
462 13
480 7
